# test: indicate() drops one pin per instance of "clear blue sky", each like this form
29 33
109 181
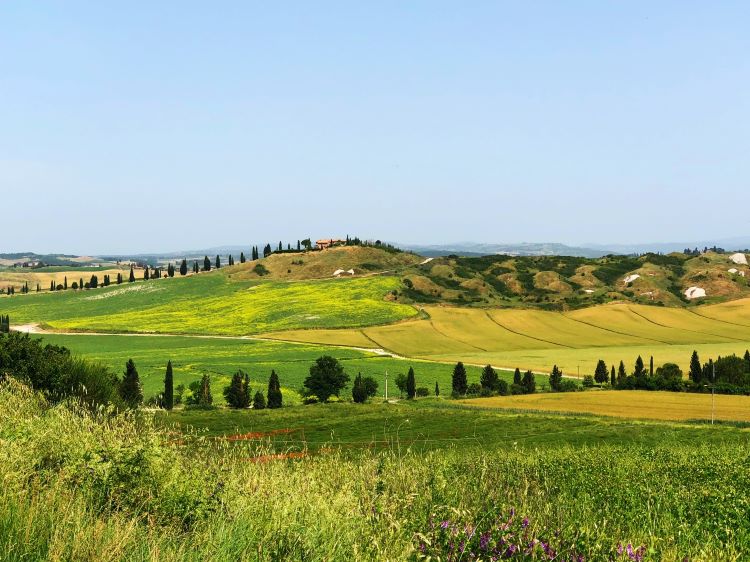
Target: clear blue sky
173 125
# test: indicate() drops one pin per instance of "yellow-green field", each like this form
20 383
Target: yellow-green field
637 404
575 340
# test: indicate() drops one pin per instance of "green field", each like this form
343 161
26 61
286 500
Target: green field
427 424
221 357
372 483
213 303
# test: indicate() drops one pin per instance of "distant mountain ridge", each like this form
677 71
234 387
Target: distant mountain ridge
519 249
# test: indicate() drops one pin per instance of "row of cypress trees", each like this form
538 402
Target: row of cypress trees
237 394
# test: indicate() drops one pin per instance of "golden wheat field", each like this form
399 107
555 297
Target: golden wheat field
635 404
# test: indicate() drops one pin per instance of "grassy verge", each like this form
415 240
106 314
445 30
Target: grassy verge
77 487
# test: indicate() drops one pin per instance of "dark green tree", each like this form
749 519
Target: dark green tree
639 370
246 392
119 279
651 366
555 379
621 373
327 378
459 382
206 264
259 402
234 393
274 391
528 383
183 267
242 257
131 279
370 385
146 273
204 396
437 389
601 373
130 387
401 383
65 283
613 377
489 379
517 376
169 387
696 371
358 390
411 384
218 261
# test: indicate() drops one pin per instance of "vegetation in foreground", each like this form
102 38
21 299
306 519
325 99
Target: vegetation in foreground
114 487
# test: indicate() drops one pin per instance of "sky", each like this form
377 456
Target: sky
159 126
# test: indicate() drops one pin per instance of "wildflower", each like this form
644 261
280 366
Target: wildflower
525 522
484 541
444 524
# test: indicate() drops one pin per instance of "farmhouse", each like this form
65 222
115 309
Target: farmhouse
329 243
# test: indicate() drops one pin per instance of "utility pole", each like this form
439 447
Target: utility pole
713 384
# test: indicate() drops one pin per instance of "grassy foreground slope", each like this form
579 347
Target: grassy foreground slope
77 497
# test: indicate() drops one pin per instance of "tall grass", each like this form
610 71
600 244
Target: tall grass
97 486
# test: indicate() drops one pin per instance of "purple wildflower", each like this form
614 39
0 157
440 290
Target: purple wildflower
525 522
444 524
484 541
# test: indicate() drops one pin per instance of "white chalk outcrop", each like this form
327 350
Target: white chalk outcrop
739 258
631 278
695 292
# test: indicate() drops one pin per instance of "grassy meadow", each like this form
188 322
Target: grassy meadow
213 303
78 486
221 357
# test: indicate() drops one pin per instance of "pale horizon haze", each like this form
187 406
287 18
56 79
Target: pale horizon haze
145 127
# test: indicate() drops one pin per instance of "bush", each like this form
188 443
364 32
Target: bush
423 391
474 389
568 386
310 399
516 389
503 389
588 381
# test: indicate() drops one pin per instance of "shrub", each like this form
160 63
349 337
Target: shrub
474 389
423 391
588 381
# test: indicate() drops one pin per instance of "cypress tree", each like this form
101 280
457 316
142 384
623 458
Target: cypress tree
169 387
246 391
489 379
528 383
411 384
130 387
517 376
39 288
299 247
612 377
274 391
651 366
65 283
206 264
119 278
259 402
80 283
218 261
696 371
183 267
747 360
204 397
195 267
601 373
234 394
639 369
437 389
51 285
555 378
359 394
242 257
460 385
621 373
132 275
146 274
